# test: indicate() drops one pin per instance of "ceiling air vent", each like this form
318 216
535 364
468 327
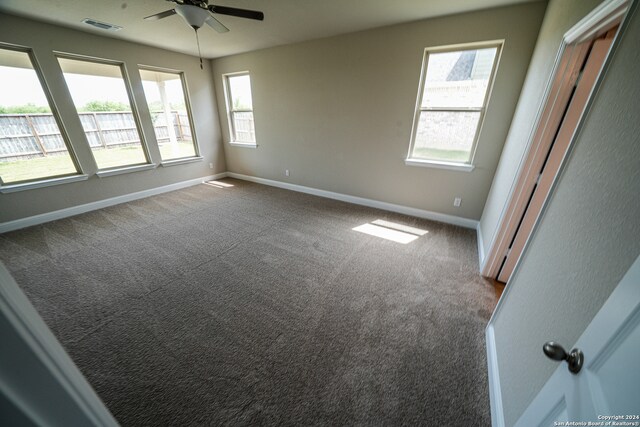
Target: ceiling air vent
101 25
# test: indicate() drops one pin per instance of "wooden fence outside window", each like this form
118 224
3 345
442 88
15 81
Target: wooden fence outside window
35 135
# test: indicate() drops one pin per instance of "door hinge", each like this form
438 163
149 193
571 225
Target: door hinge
539 177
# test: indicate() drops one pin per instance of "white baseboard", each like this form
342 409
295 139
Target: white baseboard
495 393
420 213
75 210
480 246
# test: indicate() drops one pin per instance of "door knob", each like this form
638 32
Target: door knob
555 351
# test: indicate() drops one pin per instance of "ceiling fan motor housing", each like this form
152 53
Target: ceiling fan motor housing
194 15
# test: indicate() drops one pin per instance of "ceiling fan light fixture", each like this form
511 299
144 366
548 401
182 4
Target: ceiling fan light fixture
194 15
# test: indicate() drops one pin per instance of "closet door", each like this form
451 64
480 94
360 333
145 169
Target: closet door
588 60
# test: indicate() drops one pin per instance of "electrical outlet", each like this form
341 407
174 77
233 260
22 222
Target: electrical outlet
457 202
286 172
210 165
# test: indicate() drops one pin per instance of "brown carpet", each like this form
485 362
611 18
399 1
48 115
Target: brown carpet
251 305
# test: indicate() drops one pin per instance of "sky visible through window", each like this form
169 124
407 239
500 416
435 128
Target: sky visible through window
84 88
27 91
240 87
173 89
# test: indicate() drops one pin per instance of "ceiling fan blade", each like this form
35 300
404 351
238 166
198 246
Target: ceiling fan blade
216 25
161 15
240 13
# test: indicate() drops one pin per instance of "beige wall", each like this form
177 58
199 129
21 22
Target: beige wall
558 19
337 112
44 39
587 239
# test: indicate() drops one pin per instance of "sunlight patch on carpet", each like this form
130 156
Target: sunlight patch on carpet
218 184
388 230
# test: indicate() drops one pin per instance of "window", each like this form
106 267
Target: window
240 108
102 100
170 113
32 145
454 91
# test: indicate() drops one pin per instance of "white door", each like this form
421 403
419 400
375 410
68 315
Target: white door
607 388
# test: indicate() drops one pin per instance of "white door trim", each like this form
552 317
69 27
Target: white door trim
495 391
596 22
601 18
35 338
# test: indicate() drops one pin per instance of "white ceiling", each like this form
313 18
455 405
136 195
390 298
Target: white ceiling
286 21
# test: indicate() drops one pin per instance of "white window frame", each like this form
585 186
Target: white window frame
187 100
51 180
230 110
116 170
462 166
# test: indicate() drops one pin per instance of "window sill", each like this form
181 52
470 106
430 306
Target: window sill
244 144
12 188
127 169
181 161
463 167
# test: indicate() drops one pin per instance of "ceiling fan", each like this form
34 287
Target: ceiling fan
199 12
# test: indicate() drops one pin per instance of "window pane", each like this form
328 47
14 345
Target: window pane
31 144
100 96
458 79
445 135
168 105
243 124
240 108
240 92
